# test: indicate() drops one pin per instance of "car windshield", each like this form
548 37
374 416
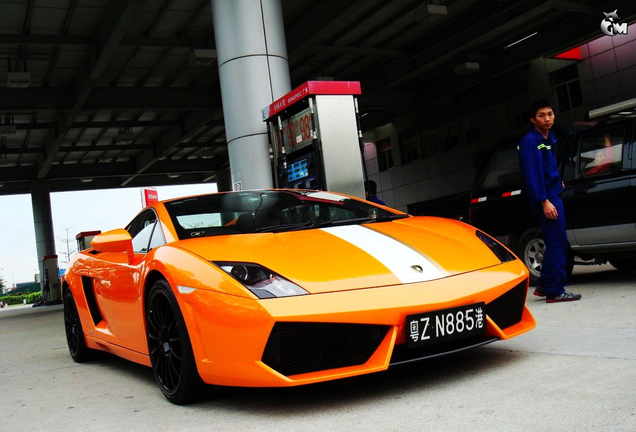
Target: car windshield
269 211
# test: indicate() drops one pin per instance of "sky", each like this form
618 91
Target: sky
78 211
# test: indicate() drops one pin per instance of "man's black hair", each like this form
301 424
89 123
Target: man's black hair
371 187
538 104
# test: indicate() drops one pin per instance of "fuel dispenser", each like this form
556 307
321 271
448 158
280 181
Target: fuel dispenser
84 239
315 138
51 281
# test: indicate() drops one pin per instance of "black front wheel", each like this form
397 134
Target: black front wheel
74 333
169 347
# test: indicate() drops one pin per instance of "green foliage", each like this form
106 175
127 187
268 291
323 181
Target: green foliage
19 299
26 288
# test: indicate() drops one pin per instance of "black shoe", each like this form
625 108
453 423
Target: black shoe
565 297
539 291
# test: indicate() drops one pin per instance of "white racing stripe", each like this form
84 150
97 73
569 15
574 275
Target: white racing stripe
395 256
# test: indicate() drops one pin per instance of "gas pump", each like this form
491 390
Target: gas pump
51 281
84 239
315 138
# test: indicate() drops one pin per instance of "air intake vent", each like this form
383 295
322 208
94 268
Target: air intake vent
89 293
298 348
506 310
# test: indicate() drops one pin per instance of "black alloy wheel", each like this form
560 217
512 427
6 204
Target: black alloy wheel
169 346
74 333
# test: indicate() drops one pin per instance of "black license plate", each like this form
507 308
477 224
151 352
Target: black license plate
444 325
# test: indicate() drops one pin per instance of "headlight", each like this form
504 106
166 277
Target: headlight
497 248
262 282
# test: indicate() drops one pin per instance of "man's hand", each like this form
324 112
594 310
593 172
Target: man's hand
549 210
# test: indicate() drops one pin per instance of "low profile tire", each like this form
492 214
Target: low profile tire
623 264
74 333
531 250
169 347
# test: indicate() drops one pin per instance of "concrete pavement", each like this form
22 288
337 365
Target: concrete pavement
575 372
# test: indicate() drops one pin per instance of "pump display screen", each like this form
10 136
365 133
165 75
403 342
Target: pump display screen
297 170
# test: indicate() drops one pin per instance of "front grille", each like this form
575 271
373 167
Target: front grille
296 348
507 309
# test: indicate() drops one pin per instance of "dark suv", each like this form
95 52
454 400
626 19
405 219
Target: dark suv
598 167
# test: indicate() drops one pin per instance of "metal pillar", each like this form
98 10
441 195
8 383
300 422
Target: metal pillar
254 72
45 238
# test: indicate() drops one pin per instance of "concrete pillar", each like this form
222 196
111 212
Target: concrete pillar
44 234
254 72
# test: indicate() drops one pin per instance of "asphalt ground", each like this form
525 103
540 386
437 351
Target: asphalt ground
575 372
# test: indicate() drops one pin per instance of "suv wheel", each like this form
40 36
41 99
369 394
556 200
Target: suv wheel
531 250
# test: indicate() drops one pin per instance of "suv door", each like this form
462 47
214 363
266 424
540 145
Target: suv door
599 207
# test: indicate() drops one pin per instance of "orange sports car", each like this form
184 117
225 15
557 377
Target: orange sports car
287 287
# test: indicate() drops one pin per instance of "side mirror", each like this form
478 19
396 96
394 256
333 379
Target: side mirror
117 240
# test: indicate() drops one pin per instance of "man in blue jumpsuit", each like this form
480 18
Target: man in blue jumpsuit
543 187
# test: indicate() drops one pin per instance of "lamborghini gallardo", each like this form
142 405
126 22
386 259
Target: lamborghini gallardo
275 288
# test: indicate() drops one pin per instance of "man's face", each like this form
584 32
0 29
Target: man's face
544 119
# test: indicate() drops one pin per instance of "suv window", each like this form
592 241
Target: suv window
601 152
503 171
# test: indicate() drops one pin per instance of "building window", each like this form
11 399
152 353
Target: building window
430 145
450 138
410 150
473 134
385 154
567 88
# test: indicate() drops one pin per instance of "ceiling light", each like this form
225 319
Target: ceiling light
122 139
466 68
86 180
429 12
173 176
202 57
8 129
18 79
125 136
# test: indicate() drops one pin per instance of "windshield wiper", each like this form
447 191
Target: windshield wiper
391 217
362 220
285 227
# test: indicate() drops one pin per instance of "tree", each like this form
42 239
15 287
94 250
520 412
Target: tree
68 240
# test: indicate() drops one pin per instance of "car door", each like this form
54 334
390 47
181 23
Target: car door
118 287
598 200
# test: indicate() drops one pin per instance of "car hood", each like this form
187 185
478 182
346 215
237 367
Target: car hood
349 257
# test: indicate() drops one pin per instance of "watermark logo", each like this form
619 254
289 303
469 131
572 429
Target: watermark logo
610 26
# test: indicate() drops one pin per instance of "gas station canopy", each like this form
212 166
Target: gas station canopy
101 94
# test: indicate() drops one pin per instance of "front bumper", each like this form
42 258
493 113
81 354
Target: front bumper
230 334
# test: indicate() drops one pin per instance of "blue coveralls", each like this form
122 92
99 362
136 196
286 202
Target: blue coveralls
541 181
